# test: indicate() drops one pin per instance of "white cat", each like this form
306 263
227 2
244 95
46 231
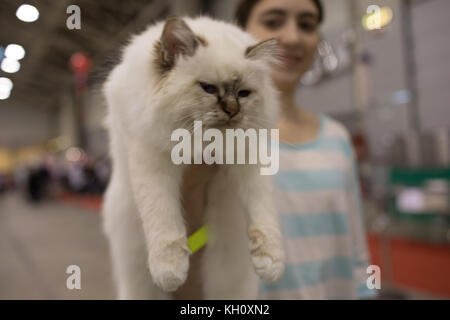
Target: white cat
173 73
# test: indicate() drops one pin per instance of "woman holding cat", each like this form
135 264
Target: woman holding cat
317 189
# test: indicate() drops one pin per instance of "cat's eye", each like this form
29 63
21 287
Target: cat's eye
243 93
208 88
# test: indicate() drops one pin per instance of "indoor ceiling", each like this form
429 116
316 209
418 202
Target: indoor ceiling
49 44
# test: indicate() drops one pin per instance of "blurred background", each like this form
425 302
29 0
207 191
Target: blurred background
389 86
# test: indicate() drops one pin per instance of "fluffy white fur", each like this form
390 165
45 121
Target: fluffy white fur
143 214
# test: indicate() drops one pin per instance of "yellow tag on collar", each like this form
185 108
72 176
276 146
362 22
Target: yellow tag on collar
198 239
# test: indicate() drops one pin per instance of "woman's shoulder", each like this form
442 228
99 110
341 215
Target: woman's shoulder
333 128
335 136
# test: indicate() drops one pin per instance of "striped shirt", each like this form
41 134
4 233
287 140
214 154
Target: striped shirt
318 200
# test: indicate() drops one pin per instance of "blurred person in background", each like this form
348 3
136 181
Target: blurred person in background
38 180
76 177
102 171
2 183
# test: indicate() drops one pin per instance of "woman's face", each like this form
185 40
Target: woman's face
295 24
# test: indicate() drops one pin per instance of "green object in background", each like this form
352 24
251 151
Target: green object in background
198 239
414 177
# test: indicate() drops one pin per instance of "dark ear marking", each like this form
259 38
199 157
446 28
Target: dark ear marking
176 39
268 50
159 62
202 40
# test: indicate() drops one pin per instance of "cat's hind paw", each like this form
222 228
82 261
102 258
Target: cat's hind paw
267 256
169 268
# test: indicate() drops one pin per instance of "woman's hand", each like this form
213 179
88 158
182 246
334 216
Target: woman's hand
194 187
193 192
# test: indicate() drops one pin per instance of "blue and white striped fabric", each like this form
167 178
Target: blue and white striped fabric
318 200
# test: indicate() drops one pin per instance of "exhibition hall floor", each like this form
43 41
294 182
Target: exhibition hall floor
38 243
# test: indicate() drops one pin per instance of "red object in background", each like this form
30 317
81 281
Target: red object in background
361 154
420 266
87 202
81 65
360 147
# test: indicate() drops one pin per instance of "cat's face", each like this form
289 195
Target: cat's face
223 84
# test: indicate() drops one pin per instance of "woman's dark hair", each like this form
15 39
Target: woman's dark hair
245 7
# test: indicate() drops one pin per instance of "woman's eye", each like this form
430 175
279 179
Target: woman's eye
209 88
243 93
272 24
307 26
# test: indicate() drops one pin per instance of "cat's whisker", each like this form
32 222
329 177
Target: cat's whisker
188 118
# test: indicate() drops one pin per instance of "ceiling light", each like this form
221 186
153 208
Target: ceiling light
4 94
27 13
378 19
5 84
10 65
14 51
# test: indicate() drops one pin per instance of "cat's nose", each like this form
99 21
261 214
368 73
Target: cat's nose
230 108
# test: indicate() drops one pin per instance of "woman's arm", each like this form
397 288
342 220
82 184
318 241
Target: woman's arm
358 233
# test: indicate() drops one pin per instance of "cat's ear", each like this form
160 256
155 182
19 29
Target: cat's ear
267 50
176 39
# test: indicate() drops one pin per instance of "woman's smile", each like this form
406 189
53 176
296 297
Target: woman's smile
289 60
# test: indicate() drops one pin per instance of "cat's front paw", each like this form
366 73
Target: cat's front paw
267 254
169 265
